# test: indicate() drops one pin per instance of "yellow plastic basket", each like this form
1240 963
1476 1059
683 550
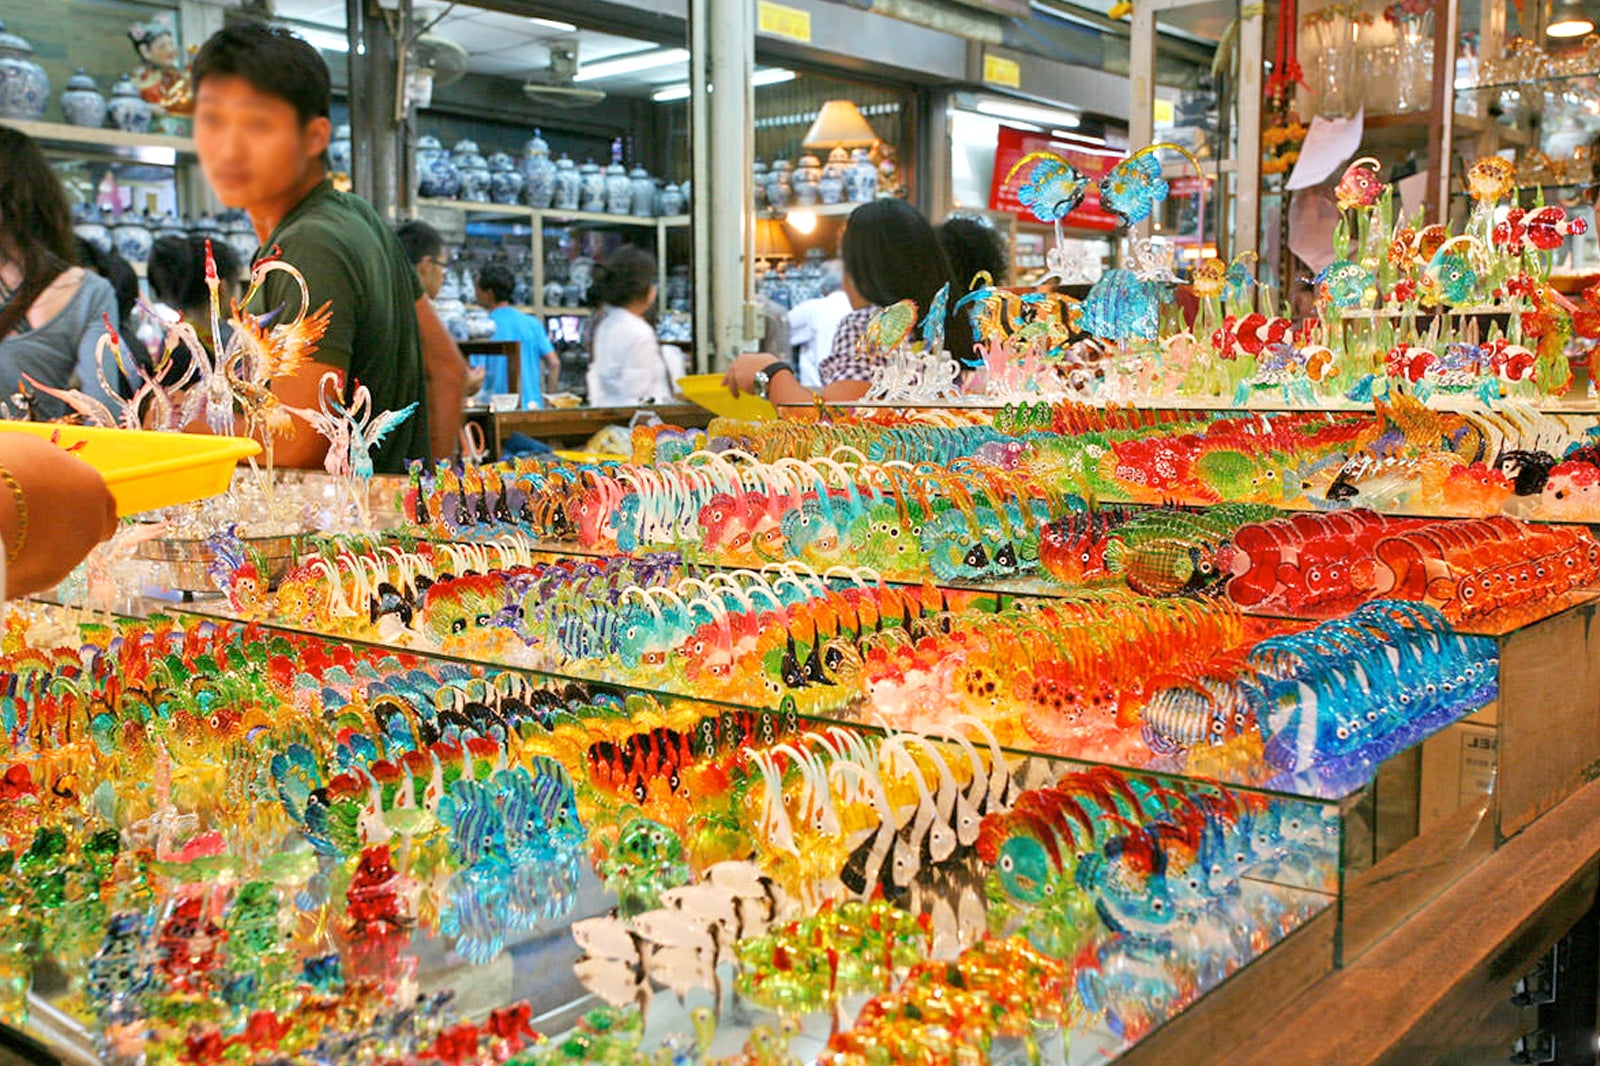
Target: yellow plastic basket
709 392
148 470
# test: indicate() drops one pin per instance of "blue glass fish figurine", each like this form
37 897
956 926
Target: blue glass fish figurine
1121 307
1054 187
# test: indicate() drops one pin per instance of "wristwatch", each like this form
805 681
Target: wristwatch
763 379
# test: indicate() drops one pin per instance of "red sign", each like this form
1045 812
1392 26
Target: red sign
1012 144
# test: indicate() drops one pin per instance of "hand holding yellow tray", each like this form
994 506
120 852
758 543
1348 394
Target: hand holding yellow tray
709 392
146 470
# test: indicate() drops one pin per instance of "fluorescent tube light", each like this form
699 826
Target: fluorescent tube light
770 76
632 63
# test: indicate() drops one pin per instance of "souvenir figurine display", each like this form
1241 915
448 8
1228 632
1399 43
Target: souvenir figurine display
1404 308
1003 727
161 78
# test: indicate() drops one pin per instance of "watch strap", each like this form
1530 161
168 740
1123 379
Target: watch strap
765 375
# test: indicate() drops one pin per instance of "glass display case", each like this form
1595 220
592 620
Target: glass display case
1531 97
406 925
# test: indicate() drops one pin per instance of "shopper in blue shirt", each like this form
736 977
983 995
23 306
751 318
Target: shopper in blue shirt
495 286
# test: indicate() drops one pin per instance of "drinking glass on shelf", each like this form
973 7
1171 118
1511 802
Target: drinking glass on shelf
1414 75
1380 66
1337 94
1335 34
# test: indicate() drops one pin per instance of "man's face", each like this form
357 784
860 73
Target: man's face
252 146
430 271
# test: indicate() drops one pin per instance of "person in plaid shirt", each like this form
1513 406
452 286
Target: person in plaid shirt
890 254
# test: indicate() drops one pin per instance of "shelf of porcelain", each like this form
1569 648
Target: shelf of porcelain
60 133
556 216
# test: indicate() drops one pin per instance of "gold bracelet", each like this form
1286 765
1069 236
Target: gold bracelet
14 550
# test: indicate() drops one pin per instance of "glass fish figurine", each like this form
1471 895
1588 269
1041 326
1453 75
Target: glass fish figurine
1132 188
1054 187
1121 307
1346 284
1491 179
1360 186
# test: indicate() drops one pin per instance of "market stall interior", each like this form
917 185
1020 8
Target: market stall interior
1086 695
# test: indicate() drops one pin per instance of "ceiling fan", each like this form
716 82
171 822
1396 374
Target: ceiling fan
554 87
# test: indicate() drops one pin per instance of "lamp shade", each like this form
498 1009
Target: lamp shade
839 125
771 241
1568 19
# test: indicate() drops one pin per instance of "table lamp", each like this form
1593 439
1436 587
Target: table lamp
839 125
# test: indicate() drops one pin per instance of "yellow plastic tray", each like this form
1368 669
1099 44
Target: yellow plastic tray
709 392
588 457
147 470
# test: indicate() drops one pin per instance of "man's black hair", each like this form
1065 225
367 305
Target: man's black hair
420 240
273 60
498 281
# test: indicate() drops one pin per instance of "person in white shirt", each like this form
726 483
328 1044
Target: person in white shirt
627 366
813 323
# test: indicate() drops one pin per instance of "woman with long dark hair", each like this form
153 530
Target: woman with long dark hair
52 312
890 253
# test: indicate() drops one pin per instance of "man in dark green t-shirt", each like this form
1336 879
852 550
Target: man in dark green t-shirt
261 127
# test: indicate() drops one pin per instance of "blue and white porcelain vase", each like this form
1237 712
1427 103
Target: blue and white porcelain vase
780 189
81 102
129 111
759 178
453 313
241 235
89 223
569 185
436 174
619 187
473 171
340 151
24 86
861 180
131 238
539 173
168 226
807 180
831 187
593 189
671 200
619 190
644 191
505 180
